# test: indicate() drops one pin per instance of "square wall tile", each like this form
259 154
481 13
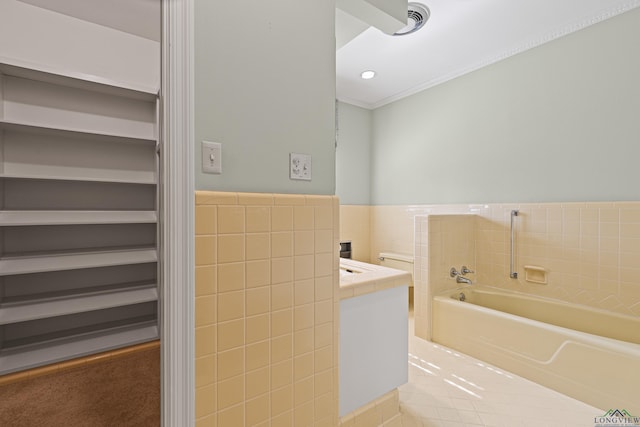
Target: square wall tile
323 382
303 267
258 300
281 244
264 279
231 219
257 410
230 363
323 287
258 328
258 355
205 400
303 391
206 220
258 219
281 296
283 420
303 366
233 416
323 312
206 280
281 322
281 400
303 243
303 415
231 277
323 216
323 335
230 334
230 305
281 218
303 291
323 264
282 374
323 241
205 338
303 317
281 270
303 341
257 382
281 348
303 218
323 359
205 310
205 370
258 246
231 248
230 392
205 250
258 273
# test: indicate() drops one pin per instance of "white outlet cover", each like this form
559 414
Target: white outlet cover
300 166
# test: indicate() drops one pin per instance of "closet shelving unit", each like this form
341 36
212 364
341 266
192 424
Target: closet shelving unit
78 215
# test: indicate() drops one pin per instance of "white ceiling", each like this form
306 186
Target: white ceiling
138 17
460 36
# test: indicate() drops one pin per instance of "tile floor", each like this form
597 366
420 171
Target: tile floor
447 388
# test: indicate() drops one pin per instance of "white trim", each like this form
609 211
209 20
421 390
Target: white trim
177 215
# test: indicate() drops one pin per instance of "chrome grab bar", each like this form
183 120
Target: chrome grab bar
513 274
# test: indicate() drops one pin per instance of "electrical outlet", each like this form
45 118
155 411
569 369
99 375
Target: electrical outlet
211 157
300 166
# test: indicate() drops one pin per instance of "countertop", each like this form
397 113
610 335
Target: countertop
359 278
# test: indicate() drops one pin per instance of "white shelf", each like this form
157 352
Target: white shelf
76 346
37 128
67 139
25 218
74 261
11 67
146 178
22 312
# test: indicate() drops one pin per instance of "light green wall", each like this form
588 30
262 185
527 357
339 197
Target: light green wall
560 122
265 87
353 155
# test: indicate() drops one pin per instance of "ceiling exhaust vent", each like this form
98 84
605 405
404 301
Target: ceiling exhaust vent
418 15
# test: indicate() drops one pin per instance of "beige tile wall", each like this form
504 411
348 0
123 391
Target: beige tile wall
355 227
591 251
266 309
441 242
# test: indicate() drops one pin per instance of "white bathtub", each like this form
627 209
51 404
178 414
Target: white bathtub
588 354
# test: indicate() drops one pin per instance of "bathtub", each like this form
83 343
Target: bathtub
588 354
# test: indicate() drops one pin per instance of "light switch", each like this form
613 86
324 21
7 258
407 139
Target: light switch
211 157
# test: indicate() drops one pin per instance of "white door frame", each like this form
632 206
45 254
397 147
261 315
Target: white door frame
177 216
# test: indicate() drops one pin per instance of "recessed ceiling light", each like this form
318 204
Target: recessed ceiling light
369 74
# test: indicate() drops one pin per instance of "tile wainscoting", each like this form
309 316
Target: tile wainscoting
267 306
591 251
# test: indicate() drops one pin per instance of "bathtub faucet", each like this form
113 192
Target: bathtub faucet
459 275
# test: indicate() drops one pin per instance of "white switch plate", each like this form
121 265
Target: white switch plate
211 157
300 166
